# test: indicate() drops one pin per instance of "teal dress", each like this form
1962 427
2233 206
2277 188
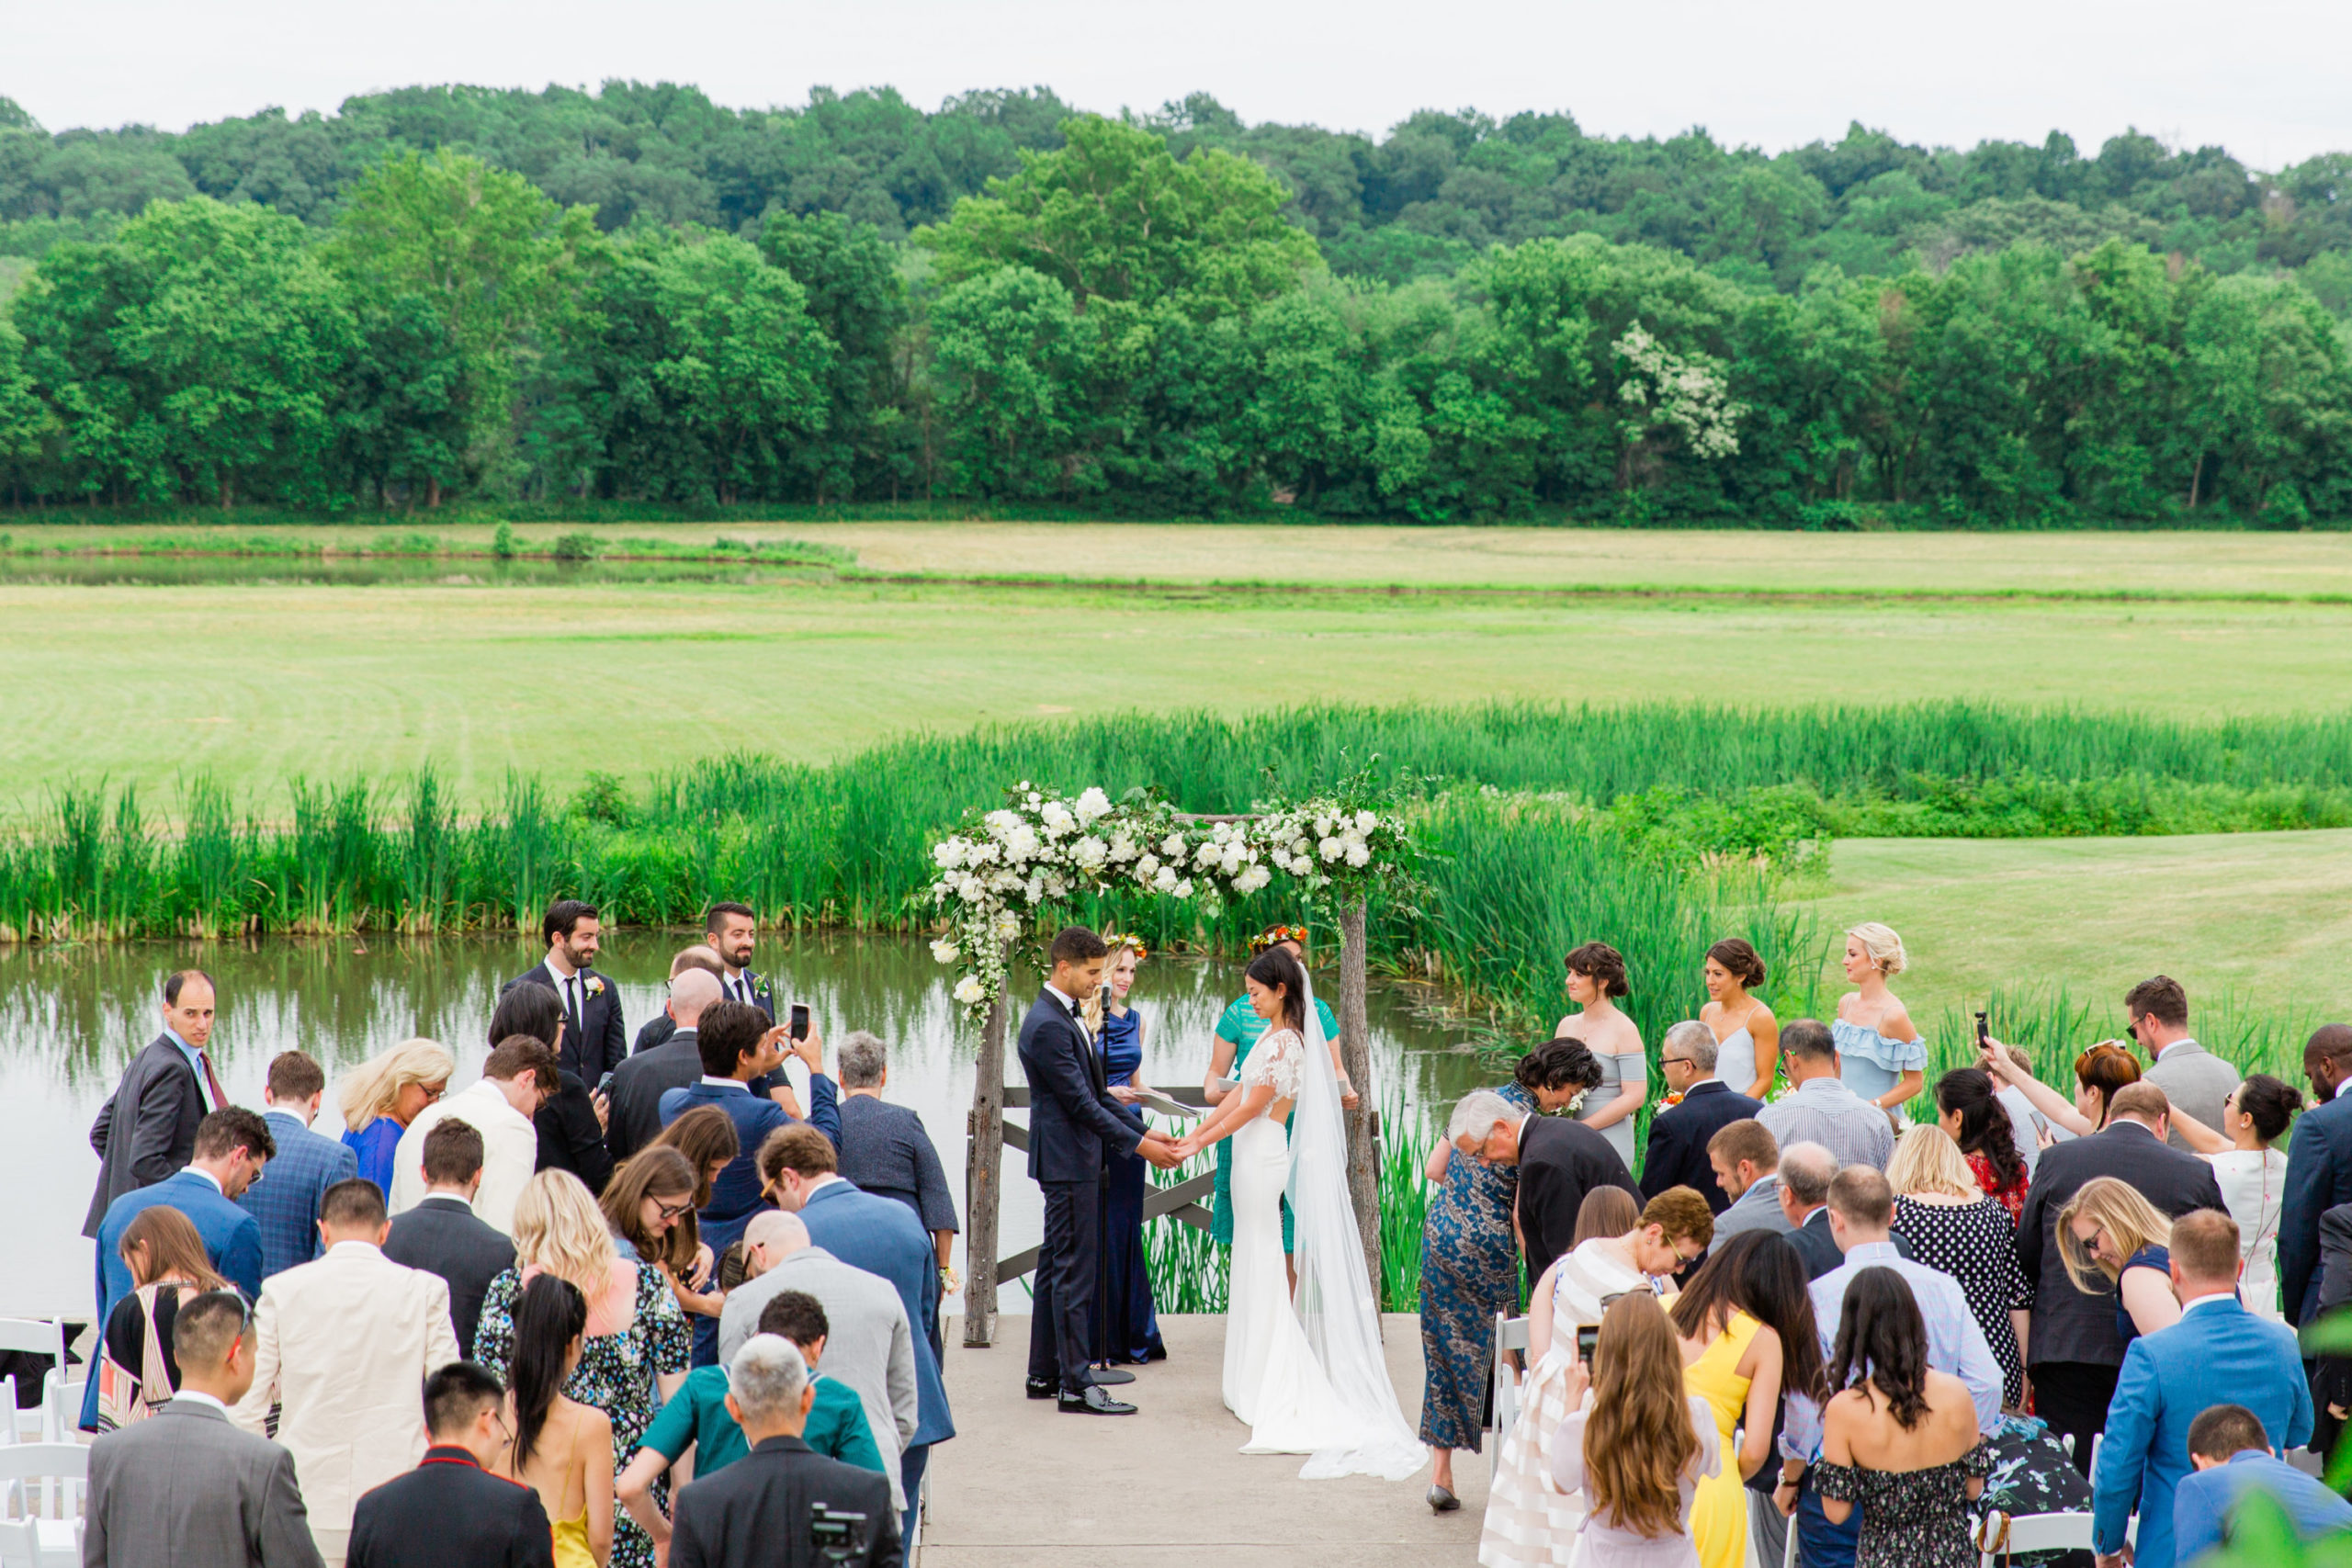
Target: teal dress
1242 1025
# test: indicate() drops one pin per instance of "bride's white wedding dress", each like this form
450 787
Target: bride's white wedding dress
1305 1374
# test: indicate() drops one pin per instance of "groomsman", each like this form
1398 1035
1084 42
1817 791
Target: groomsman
731 932
594 1040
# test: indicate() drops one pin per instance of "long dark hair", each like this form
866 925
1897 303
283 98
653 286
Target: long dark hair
1882 1340
1985 1126
1769 1284
1275 968
1708 1299
551 1314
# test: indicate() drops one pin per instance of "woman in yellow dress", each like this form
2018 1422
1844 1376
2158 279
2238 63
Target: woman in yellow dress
1732 1362
563 1449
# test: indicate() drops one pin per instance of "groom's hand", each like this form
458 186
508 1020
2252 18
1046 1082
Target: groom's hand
1159 1151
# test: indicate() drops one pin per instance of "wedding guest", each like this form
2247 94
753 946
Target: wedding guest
1879 1055
383 1096
1955 1225
595 1038
1524 1515
136 1373
1746 1161
232 1146
638 1345
1635 1444
1733 1361
1559 1161
2100 1073
443 1235
639 1084
452 1511
2216 1353
562 1448
2319 1169
570 1123
887 1151
1126 1327
1769 1284
1677 1144
2075 1347
1970 1111
657 1029
285 1201
1557 1075
1901 1441
738 1044
1748 1037
705 1136
2113 1242
188 1487
2192 1078
649 1209
2252 1171
146 1130
1238 1031
1806 1170
2233 1458
515 1077
1596 979
1606 1211
1821 1109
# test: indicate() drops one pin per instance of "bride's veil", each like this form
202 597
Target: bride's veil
1334 1298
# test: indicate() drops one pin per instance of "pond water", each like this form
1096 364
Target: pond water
191 571
71 1016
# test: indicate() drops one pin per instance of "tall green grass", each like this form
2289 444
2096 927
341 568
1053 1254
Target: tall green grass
2052 1027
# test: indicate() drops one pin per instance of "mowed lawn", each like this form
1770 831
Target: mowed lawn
256 682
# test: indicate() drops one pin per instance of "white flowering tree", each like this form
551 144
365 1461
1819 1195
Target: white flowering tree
1001 874
1668 395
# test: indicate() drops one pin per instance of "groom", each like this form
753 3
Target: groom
1074 1126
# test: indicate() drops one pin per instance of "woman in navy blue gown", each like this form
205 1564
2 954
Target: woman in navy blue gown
1126 1329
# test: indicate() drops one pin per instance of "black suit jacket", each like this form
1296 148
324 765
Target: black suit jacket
442 1237
450 1513
639 1083
756 1511
1560 1161
601 1040
1819 1249
570 1138
1677 1148
1072 1118
2069 1326
147 1131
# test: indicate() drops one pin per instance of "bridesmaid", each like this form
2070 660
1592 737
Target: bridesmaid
1881 1056
1596 979
1126 1328
1748 1037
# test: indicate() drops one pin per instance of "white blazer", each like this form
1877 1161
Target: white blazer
509 1153
345 1345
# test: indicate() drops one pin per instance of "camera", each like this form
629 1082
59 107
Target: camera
837 1536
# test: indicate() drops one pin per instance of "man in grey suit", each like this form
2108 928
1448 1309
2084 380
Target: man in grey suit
2192 1078
187 1488
1747 1167
146 1133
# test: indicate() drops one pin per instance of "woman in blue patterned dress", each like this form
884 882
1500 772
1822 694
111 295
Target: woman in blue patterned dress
1236 1033
1470 1266
637 1343
1126 1328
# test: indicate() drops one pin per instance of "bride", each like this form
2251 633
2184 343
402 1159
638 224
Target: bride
1303 1366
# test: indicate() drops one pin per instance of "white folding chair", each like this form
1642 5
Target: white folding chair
44 1482
41 1543
2132 1525
2001 1535
38 1337
1789 1550
61 1406
1510 1334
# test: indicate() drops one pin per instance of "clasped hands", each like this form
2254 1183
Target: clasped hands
1162 1151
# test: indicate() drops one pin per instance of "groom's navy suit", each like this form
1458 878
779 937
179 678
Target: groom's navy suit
1074 1125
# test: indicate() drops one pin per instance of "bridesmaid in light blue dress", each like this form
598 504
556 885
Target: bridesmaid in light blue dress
1748 1056
1880 1055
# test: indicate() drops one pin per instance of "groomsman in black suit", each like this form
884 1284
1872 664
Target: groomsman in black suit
147 1131
731 932
593 1039
1678 1134
1074 1126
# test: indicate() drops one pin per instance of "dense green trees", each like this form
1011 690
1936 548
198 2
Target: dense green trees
1138 319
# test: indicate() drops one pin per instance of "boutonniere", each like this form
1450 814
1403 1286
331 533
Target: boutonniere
595 985
1669 1103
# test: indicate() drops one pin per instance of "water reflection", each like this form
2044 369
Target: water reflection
461 571
69 1018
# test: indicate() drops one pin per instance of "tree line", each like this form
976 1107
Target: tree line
1135 319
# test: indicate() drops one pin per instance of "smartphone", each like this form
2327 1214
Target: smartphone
1983 1031
606 1082
800 1020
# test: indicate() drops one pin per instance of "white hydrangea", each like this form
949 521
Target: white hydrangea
1330 849
1001 822
945 951
969 991
1172 846
1057 820
948 853
1089 853
1253 878
1359 852
1021 843
1164 880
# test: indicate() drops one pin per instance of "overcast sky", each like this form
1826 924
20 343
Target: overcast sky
2263 77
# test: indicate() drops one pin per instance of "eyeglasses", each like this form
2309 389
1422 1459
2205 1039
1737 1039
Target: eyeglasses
1676 1062
672 1211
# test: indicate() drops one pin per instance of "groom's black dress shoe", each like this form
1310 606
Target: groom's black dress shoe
1094 1402
1043 1388
1108 1377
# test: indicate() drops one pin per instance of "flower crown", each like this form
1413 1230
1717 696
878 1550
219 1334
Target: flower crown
1273 934
1114 941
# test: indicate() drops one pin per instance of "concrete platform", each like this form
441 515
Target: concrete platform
1022 1484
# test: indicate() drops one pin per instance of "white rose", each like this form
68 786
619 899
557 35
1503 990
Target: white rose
1206 855
1331 849
1164 881
945 951
1001 822
1123 850
1300 846
1008 926
1232 859
971 890
1252 879
1301 866
1089 853
1093 803
1183 889
947 854
969 991
1057 818
1172 845
1022 844
1323 824
1147 866
1359 852
1366 821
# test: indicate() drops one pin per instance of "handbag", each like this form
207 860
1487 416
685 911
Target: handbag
126 1397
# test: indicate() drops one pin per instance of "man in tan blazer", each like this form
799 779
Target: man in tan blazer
341 1345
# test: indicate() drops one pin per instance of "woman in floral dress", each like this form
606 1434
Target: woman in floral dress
638 1342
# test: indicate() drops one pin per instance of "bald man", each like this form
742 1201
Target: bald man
639 1082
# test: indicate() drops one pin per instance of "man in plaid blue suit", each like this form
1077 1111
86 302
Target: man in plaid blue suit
285 1200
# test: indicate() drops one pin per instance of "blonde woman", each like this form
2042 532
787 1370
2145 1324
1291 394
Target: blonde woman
1880 1055
1953 1225
637 1342
2111 1238
384 1095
